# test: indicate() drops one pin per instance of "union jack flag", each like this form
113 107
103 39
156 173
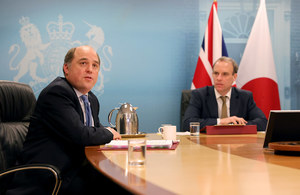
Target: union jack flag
212 48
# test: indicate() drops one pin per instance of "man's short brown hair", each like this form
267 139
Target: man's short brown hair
70 55
230 60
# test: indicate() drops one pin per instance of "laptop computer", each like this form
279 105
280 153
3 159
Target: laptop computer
283 125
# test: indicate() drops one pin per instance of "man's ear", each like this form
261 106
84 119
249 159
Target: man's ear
234 76
66 69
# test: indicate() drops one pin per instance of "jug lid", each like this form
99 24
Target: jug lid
127 106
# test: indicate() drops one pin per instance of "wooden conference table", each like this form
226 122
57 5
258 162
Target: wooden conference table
208 164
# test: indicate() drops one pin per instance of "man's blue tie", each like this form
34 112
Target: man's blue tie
88 114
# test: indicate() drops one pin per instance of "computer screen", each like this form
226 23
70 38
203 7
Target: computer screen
283 125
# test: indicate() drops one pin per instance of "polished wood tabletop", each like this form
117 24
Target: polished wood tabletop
205 164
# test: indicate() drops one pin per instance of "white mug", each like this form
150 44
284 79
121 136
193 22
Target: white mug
168 132
160 129
162 126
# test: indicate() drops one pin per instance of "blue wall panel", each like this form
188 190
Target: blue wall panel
149 49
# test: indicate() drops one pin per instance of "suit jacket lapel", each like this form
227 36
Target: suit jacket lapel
234 102
75 100
211 102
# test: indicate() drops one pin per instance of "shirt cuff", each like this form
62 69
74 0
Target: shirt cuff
218 121
109 130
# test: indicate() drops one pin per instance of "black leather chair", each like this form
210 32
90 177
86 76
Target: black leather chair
17 102
185 100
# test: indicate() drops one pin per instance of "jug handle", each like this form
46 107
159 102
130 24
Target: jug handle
109 117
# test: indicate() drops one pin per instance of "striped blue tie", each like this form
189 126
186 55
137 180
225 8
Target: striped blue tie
88 115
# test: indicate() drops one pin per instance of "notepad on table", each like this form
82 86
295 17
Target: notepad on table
150 144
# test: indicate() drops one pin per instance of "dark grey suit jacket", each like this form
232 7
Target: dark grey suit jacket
203 108
57 134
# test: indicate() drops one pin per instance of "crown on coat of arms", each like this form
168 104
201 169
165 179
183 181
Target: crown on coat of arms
60 30
24 21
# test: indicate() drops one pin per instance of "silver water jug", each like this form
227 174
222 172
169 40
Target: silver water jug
127 121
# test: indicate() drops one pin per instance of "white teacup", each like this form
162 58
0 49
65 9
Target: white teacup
160 129
168 132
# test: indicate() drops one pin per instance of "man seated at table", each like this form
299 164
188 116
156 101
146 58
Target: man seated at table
206 104
66 120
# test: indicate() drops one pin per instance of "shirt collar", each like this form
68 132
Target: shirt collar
228 94
78 93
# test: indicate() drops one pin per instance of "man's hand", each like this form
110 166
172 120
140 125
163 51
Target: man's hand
233 120
116 135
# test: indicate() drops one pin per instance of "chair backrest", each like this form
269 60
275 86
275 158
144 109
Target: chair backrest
17 102
185 100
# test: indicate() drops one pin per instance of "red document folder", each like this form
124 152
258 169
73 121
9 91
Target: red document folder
229 129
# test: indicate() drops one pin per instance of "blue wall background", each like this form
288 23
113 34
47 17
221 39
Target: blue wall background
149 49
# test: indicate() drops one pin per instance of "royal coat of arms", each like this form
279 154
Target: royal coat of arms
43 62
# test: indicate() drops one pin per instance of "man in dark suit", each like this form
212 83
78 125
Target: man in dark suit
58 131
222 103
